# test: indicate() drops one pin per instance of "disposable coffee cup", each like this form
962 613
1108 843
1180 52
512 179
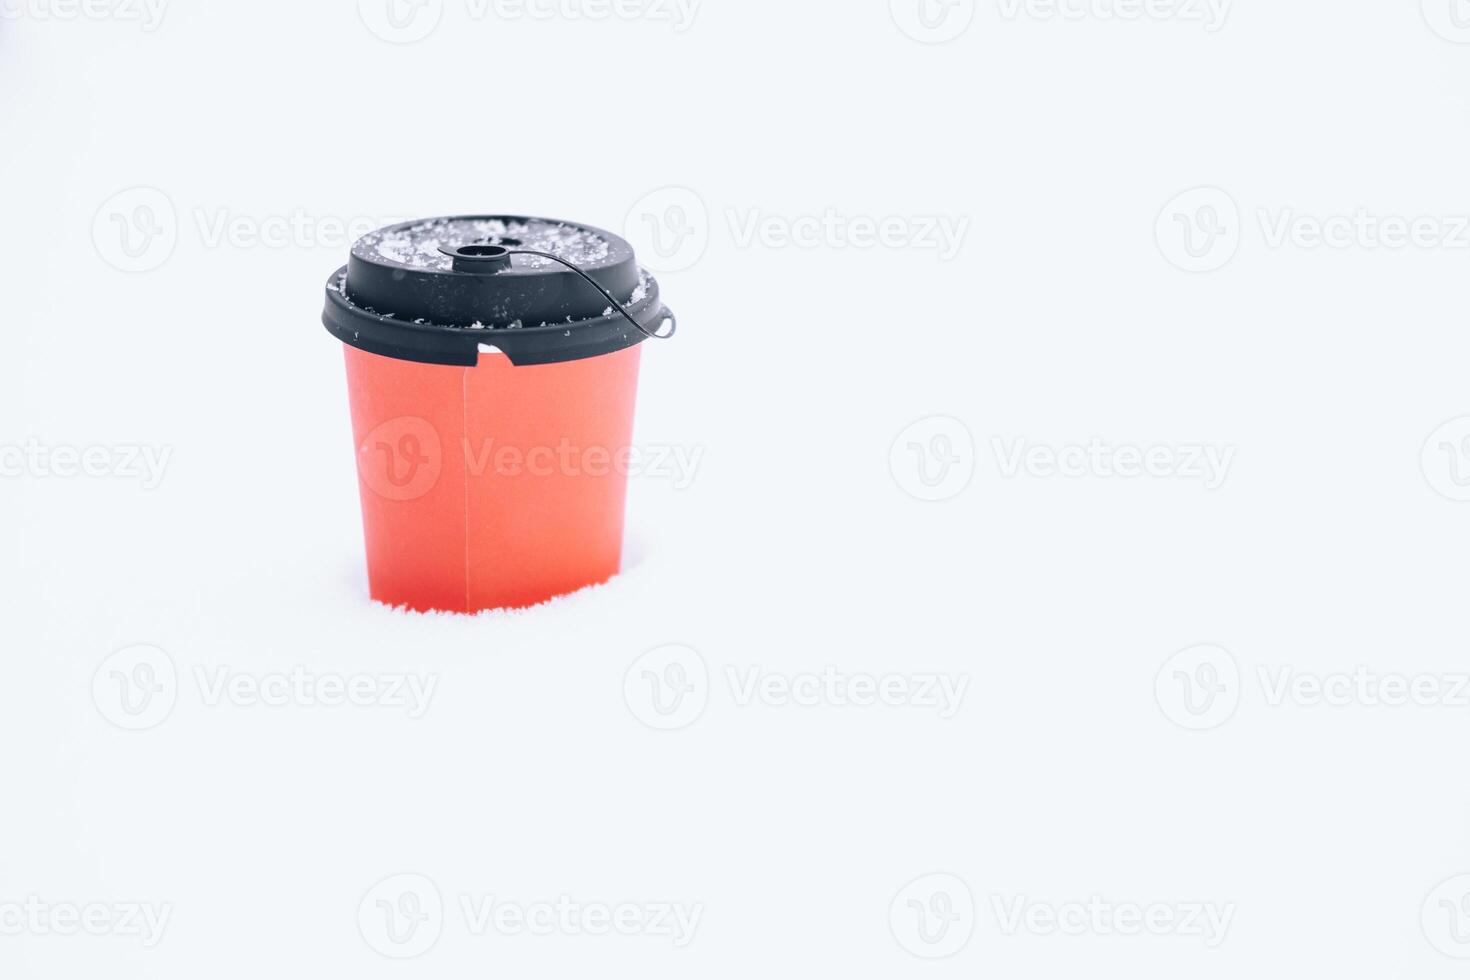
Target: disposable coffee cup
492 373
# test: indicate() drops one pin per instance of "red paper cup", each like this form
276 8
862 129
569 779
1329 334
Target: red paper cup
492 396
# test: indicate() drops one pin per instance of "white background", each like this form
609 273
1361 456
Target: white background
1080 764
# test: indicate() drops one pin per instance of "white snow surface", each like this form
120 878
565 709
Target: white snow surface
418 246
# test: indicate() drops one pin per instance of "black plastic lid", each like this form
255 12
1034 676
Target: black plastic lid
435 291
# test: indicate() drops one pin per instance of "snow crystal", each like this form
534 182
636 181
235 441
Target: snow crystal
641 292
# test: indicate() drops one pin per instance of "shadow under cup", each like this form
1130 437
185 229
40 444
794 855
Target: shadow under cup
492 396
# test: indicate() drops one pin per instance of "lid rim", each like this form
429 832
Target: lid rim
435 343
